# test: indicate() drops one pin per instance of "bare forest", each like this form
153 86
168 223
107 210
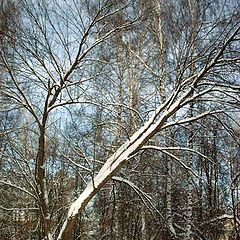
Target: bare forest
119 120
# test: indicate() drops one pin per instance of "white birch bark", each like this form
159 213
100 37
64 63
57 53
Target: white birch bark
188 214
155 124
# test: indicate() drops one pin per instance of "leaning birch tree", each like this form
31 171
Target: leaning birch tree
186 92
